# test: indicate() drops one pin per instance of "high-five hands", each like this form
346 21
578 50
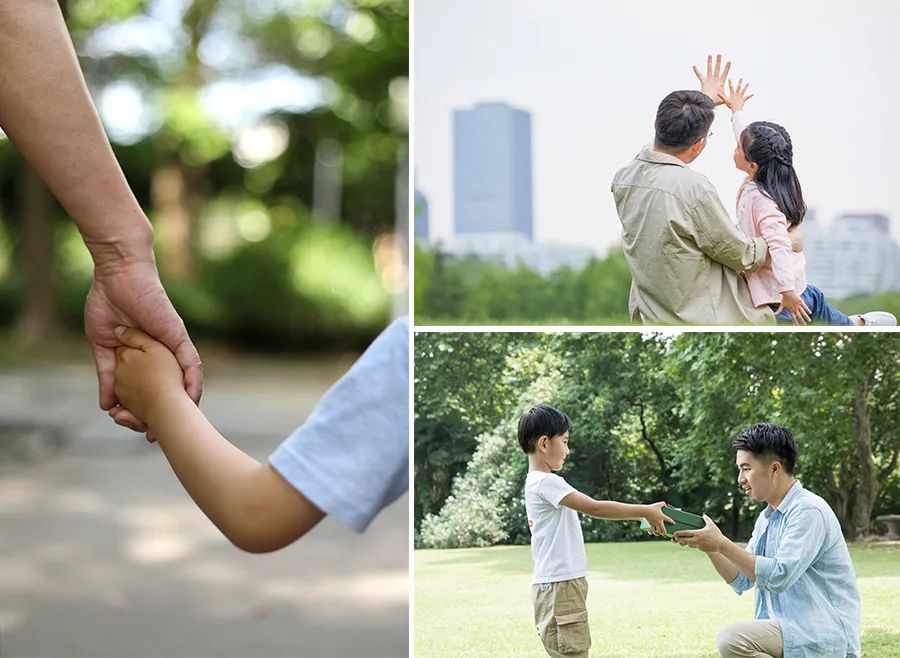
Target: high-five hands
737 96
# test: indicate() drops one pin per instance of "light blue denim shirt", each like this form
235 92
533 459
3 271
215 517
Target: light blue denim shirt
802 563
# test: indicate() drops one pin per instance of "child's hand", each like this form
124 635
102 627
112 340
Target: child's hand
795 305
736 97
147 374
657 519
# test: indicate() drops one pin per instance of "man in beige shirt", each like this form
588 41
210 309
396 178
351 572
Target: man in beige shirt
685 252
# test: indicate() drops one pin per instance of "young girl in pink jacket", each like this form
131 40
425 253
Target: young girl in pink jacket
770 204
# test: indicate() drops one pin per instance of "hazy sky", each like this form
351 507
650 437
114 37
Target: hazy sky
592 74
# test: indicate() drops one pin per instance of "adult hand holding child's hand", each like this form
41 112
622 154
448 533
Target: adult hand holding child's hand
128 290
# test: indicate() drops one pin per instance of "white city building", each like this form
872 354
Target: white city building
855 255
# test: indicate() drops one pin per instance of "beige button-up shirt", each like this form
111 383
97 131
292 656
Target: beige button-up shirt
684 251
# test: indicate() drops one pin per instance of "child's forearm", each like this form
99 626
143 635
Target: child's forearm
616 511
253 506
738 123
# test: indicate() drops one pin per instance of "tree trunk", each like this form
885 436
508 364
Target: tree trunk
867 487
645 436
38 320
176 191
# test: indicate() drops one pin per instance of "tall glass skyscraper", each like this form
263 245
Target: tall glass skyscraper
492 170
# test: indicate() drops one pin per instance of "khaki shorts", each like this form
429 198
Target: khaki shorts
560 615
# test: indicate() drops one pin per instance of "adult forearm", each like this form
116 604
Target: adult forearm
46 110
723 566
738 557
246 500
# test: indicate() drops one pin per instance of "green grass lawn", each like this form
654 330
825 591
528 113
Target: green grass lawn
645 599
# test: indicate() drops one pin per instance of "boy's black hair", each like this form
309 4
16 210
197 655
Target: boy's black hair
541 420
769 441
683 117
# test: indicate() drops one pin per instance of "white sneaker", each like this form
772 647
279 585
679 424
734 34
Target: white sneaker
879 319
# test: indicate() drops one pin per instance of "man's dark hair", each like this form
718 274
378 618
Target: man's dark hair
683 117
769 441
541 420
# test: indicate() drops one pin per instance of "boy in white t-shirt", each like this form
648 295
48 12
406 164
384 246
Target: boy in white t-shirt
559 583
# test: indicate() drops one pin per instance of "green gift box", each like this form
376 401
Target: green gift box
683 520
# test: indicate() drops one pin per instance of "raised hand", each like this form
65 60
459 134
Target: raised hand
736 96
714 82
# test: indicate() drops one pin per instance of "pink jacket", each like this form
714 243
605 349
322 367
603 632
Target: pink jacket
759 217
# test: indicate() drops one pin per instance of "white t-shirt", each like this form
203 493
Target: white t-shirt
351 456
557 545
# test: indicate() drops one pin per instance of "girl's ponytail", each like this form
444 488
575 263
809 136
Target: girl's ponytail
768 145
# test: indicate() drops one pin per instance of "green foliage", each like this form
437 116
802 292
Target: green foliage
653 418
295 286
304 285
884 301
450 290
486 503
354 56
84 14
454 405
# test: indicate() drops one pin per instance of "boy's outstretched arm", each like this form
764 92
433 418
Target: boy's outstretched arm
613 510
253 506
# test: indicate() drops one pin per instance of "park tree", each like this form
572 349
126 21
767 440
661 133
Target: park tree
654 416
836 392
464 385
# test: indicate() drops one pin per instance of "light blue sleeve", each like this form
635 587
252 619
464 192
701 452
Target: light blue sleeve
351 457
741 582
803 535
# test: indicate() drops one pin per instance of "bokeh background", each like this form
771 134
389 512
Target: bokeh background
267 142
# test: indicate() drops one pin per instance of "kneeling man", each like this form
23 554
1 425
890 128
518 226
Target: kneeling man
807 604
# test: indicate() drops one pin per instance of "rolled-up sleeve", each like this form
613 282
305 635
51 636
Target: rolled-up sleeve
801 540
741 582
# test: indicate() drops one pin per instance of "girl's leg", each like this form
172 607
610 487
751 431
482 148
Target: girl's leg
822 311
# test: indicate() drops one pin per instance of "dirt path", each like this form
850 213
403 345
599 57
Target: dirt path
102 553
